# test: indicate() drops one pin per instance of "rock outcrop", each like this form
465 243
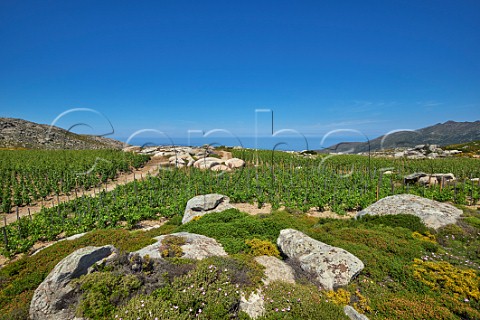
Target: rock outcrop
52 299
434 214
204 204
333 267
275 270
195 246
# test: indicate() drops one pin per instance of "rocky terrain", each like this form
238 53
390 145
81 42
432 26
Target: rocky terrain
22 134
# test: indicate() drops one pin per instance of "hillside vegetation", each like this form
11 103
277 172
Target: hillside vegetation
409 272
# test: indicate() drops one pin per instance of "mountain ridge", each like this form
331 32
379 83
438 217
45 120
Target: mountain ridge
449 132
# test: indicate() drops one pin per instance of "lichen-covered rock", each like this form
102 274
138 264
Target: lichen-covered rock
434 214
195 246
52 298
275 270
333 267
203 204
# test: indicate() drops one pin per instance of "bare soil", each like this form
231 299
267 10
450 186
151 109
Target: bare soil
253 209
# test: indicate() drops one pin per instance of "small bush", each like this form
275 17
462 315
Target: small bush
262 247
172 247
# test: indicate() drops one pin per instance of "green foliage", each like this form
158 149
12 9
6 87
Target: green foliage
473 221
290 301
102 291
232 227
29 175
407 221
262 247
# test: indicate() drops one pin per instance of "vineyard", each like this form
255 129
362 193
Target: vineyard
336 183
27 176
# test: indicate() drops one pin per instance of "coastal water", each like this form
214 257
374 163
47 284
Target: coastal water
265 143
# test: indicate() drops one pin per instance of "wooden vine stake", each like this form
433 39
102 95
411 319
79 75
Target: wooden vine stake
5 237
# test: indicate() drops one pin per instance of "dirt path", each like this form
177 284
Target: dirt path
124 178
253 209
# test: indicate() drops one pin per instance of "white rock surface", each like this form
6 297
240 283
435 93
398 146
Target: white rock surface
433 213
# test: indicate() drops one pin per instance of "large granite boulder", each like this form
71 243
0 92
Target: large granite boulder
235 163
203 204
433 213
54 296
333 267
195 246
207 162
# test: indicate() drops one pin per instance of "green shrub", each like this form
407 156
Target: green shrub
260 247
407 221
172 246
473 221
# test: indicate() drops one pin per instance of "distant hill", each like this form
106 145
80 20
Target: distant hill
18 133
442 134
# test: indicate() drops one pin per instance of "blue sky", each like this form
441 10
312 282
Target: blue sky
173 66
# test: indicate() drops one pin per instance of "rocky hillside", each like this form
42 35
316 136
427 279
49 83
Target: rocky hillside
18 133
442 134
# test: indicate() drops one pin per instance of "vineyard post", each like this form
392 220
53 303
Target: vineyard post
29 214
18 223
5 237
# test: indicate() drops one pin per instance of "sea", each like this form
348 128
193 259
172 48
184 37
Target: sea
263 142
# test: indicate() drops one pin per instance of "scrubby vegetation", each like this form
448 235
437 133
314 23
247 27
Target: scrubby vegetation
405 272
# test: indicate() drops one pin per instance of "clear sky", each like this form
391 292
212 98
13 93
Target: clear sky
173 66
